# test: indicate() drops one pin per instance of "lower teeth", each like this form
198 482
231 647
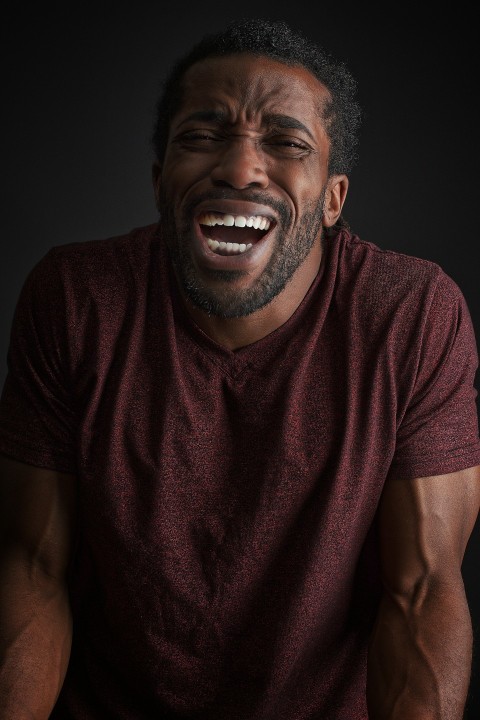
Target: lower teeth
228 248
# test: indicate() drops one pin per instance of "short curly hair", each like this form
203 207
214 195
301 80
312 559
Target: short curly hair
274 39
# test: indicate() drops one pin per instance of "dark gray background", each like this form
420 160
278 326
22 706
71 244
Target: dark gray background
81 81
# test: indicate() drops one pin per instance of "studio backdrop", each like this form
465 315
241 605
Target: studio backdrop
81 86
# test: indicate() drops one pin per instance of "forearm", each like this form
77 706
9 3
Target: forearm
420 654
35 641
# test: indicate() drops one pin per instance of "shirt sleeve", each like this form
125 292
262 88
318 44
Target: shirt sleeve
438 433
37 416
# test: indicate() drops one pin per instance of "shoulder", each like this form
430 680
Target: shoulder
90 269
100 258
384 268
383 281
80 295
71 279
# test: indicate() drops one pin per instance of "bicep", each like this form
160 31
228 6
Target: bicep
37 517
425 525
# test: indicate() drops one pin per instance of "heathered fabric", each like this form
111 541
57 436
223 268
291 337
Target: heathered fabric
226 564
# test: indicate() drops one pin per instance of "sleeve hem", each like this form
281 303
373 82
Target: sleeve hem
37 457
427 467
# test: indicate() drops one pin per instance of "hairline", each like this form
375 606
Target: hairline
322 106
337 109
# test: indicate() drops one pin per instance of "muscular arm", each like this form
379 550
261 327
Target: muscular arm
420 654
37 510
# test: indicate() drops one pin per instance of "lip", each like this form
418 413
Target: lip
246 261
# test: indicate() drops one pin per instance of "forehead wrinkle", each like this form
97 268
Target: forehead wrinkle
260 97
251 98
257 93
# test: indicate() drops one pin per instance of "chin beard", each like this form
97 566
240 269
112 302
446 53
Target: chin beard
287 255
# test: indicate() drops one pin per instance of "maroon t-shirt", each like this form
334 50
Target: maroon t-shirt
226 562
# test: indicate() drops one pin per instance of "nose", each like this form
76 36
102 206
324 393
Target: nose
240 165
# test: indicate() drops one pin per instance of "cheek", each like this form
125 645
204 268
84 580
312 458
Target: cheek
303 173
315 171
313 187
180 174
301 182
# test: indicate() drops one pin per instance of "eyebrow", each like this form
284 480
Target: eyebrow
281 121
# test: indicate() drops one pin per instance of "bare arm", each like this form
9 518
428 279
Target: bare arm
37 509
420 655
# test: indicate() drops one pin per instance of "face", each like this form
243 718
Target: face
243 191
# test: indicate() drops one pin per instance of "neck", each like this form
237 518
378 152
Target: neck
238 332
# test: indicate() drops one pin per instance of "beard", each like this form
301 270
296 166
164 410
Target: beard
287 255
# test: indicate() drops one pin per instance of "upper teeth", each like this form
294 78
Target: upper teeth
258 222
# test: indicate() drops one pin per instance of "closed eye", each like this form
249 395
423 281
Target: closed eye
287 146
203 139
198 136
289 143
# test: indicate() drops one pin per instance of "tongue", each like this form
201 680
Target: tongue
232 234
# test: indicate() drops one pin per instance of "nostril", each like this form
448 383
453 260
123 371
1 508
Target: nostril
221 183
224 183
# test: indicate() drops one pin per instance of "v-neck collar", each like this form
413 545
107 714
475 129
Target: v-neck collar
260 352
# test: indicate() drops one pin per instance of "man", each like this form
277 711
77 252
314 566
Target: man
240 446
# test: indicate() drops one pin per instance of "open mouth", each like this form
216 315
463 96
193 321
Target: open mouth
233 234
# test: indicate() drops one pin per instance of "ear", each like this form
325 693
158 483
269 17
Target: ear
337 187
157 180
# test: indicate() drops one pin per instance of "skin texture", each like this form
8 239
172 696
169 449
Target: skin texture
245 157
420 652
37 523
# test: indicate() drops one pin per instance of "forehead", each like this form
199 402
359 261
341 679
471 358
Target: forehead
254 84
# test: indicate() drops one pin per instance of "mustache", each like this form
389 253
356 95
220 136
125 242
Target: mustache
254 196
